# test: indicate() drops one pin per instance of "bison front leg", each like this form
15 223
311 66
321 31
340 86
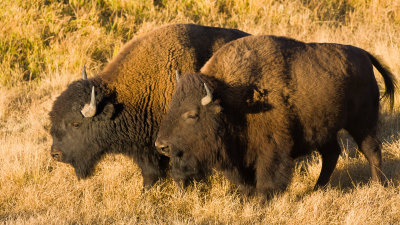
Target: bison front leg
149 180
273 173
154 168
330 153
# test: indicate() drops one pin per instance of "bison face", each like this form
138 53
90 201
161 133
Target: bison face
189 132
78 136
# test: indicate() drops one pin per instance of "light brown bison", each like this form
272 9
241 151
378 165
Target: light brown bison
262 101
128 98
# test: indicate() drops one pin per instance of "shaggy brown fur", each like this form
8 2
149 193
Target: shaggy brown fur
131 95
274 99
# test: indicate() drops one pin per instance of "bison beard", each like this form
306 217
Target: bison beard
273 99
129 96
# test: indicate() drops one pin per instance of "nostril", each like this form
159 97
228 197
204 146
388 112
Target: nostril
56 154
160 144
162 147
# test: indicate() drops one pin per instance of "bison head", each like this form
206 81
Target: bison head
79 126
190 133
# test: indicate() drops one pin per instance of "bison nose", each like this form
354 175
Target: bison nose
162 147
56 154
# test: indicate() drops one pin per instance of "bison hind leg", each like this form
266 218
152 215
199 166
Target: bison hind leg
329 153
371 148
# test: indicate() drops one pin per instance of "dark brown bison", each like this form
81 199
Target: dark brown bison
262 101
128 98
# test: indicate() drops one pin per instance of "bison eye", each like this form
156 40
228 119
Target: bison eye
75 124
191 115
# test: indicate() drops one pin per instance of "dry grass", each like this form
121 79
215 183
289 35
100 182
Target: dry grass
44 43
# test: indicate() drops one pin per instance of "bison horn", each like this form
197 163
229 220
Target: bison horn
178 76
208 98
84 75
89 110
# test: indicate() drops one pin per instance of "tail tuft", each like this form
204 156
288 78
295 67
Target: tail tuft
388 78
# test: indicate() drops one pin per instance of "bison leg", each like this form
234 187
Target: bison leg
371 149
149 179
153 169
330 153
273 176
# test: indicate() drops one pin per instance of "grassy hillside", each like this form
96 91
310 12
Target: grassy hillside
43 45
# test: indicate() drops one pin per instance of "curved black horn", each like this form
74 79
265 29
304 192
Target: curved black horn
84 75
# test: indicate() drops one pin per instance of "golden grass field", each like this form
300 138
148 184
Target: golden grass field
43 45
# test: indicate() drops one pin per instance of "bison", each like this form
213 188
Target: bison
262 101
128 97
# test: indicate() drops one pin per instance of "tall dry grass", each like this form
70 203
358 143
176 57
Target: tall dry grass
43 45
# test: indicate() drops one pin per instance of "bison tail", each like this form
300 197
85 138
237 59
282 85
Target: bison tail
388 78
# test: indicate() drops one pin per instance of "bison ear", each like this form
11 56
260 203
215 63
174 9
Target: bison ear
216 108
108 111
